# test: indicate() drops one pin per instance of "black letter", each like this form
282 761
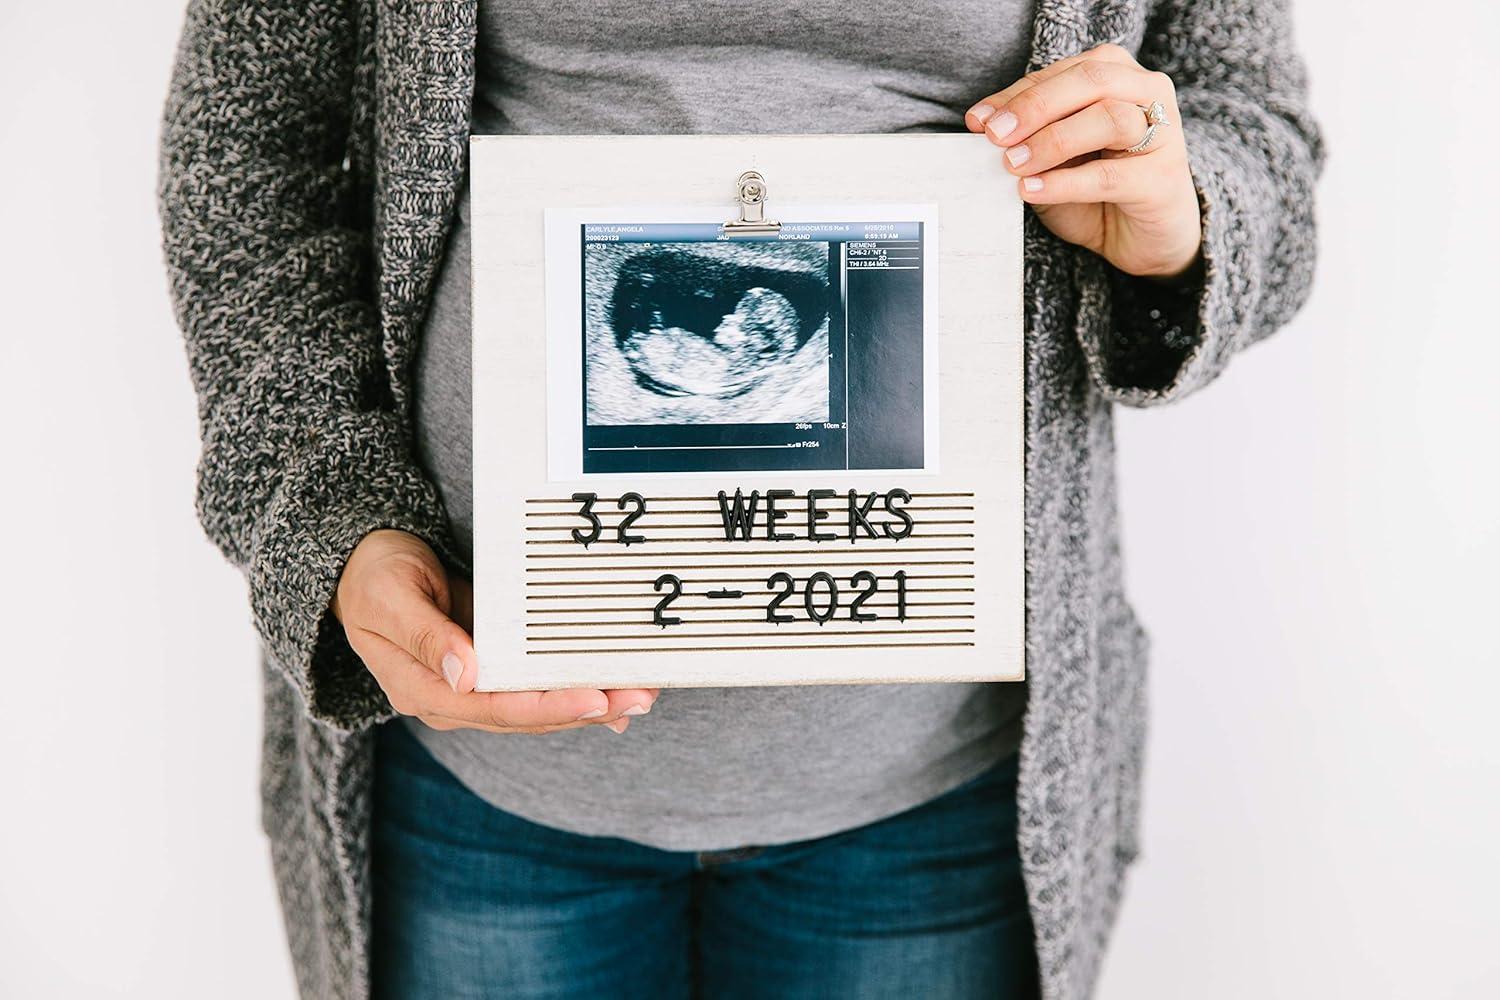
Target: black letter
624 528
833 597
899 533
674 585
787 584
584 538
738 520
773 515
814 515
872 584
859 514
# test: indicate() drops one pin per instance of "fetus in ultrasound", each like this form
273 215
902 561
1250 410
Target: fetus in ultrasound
707 333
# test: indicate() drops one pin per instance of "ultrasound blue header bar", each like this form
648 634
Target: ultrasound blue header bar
708 232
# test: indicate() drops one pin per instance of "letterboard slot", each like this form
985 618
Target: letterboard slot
734 635
730 649
715 499
710 621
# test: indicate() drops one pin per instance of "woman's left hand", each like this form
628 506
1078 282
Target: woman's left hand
1065 130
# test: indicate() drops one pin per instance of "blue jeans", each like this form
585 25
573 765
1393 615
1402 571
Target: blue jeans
472 901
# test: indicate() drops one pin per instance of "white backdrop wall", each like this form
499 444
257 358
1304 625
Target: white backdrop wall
1312 542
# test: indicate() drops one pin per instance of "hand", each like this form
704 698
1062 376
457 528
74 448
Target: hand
409 622
1065 129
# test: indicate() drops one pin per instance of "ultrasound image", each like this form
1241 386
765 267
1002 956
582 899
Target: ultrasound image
706 333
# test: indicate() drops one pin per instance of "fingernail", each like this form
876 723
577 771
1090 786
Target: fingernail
618 725
1002 125
1017 155
637 710
453 669
592 714
983 112
1032 183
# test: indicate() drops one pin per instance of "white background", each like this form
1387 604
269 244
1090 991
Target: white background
1312 541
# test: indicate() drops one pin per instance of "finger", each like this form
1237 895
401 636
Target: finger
441 724
1123 181
976 117
408 617
414 690
444 725
623 704
1068 93
630 701
1105 125
525 709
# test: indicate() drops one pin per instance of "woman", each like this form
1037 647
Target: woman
861 841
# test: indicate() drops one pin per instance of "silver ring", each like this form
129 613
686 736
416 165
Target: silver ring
1156 120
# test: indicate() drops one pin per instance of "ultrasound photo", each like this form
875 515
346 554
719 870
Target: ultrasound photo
706 333
702 353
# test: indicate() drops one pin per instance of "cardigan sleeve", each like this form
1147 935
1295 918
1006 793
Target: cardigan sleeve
1255 155
303 452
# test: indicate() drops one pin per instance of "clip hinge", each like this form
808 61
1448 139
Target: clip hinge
751 190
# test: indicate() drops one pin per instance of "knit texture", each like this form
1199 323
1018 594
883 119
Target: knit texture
311 155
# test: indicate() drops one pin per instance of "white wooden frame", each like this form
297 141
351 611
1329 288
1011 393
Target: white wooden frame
965 595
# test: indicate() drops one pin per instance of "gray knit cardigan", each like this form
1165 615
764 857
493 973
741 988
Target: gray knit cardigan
311 154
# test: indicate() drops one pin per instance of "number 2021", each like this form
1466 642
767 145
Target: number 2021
821 597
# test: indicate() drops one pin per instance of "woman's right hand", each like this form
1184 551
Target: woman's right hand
408 621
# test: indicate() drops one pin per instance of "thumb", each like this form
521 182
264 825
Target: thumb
415 623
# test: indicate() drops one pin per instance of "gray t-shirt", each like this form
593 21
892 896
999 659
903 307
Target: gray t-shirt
717 768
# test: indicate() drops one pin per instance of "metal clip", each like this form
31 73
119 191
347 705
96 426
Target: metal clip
751 189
